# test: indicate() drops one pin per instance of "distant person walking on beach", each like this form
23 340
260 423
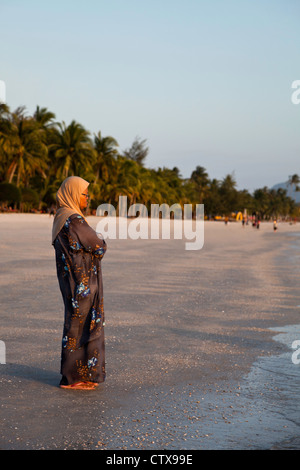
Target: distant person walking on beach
275 225
79 251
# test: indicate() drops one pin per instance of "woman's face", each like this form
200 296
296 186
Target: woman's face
84 199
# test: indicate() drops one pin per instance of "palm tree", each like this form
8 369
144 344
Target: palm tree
200 179
5 147
264 202
294 180
213 199
44 117
137 152
27 151
106 153
148 187
120 181
73 150
228 194
129 175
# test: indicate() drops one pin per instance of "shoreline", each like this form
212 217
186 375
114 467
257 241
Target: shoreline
185 331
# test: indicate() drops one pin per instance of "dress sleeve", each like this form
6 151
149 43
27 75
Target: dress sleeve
82 236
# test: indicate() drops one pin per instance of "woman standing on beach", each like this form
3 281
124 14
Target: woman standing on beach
79 251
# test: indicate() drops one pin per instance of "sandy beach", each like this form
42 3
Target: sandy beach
198 343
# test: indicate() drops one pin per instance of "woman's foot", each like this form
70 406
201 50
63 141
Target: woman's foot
81 386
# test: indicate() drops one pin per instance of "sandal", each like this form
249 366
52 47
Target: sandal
81 386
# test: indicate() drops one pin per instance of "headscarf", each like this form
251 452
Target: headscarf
68 202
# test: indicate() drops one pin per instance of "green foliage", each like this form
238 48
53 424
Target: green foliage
137 152
9 193
29 199
37 154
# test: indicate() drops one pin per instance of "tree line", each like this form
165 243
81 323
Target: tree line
37 153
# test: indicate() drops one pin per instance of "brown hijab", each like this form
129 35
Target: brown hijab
68 202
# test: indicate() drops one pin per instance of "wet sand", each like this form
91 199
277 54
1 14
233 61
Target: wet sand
192 349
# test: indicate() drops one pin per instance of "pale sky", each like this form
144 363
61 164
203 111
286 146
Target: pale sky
207 83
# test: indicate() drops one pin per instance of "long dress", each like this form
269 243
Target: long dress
79 251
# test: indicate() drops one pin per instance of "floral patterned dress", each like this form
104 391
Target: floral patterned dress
79 251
